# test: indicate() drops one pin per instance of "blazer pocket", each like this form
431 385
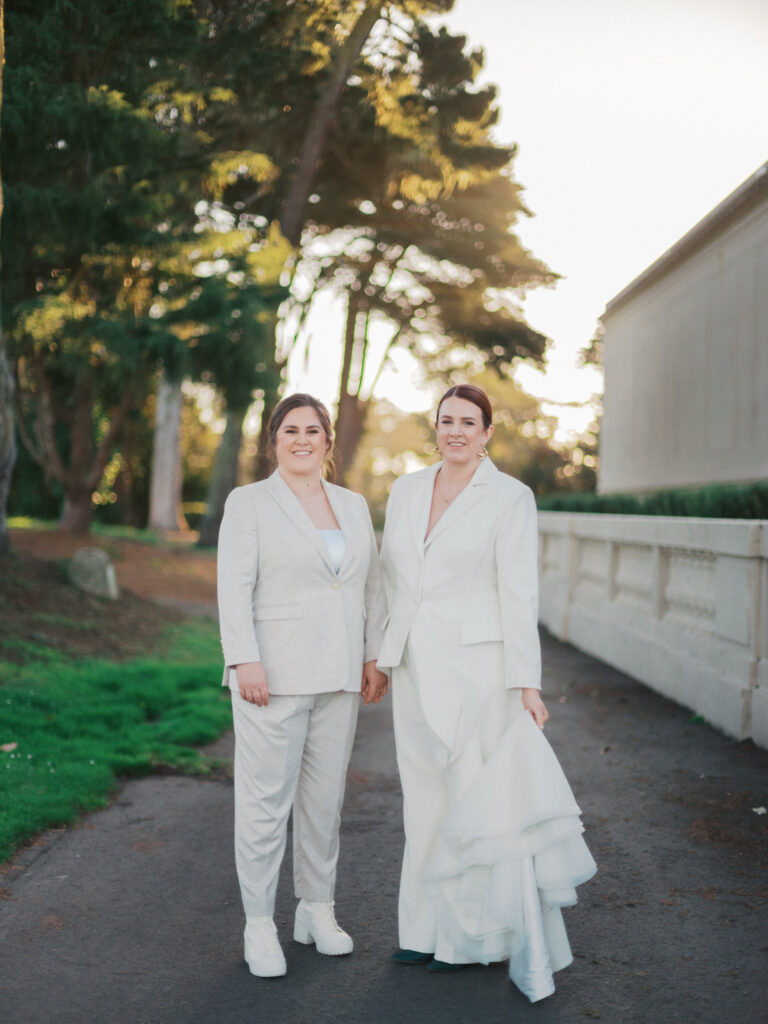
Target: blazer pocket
482 632
279 611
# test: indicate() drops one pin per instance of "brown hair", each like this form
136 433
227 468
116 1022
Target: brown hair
300 401
471 393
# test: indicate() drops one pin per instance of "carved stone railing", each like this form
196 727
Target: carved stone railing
680 604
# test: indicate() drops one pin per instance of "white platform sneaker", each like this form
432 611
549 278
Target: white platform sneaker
262 948
316 922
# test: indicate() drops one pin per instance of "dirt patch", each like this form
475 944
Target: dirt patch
173 571
39 608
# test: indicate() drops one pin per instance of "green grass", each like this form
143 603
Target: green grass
28 523
78 724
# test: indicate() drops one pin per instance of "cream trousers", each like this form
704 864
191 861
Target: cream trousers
294 752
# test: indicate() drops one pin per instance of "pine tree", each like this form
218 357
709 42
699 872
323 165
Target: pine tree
418 231
84 152
114 139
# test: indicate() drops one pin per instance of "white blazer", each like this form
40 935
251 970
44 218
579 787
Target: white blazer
280 601
466 598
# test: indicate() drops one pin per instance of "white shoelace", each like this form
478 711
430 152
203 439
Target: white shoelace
266 934
326 912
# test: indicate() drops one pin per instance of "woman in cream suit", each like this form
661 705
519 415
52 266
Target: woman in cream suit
301 614
493 837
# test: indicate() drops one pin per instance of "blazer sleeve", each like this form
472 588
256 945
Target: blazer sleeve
375 604
237 570
518 585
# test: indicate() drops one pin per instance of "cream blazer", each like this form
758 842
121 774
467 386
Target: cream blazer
280 601
466 598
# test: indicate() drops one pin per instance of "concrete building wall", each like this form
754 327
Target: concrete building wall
680 604
686 358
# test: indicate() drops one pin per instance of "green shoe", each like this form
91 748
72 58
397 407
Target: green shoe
411 956
441 965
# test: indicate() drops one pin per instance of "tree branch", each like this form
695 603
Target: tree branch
390 345
104 449
45 429
292 219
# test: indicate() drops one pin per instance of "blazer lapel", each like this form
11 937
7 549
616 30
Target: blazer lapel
475 490
291 505
347 523
422 504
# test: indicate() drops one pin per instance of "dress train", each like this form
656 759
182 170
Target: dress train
509 856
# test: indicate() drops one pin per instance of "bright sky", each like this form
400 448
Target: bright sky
634 118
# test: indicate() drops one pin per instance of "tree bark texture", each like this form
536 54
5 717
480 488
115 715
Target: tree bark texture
77 510
165 487
87 458
352 409
7 443
350 423
293 215
7 431
223 477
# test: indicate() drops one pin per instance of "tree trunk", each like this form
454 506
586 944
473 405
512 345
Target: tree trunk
293 215
7 433
223 477
77 511
7 443
350 422
79 481
165 488
350 415
130 486
263 464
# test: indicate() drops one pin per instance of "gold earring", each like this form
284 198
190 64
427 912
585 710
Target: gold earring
482 453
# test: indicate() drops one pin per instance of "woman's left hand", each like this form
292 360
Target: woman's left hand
375 683
536 707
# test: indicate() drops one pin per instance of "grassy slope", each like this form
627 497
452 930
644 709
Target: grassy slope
78 707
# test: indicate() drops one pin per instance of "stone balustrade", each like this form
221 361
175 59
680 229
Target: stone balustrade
680 604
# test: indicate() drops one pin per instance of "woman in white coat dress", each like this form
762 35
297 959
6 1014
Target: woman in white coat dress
494 842
301 614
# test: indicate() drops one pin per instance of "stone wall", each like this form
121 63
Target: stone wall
686 358
680 604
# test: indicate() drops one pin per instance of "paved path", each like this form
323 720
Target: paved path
134 917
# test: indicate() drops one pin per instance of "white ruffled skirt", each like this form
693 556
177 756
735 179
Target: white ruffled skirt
494 845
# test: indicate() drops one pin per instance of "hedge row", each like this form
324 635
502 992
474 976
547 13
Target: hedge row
718 501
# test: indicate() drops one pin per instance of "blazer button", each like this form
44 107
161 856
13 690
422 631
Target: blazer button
334 586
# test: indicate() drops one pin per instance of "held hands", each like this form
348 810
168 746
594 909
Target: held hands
375 683
252 681
533 704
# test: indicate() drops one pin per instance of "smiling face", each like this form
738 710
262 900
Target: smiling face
301 443
461 436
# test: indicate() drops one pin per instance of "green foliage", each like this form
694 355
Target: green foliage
148 160
718 501
416 208
115 139
77 725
